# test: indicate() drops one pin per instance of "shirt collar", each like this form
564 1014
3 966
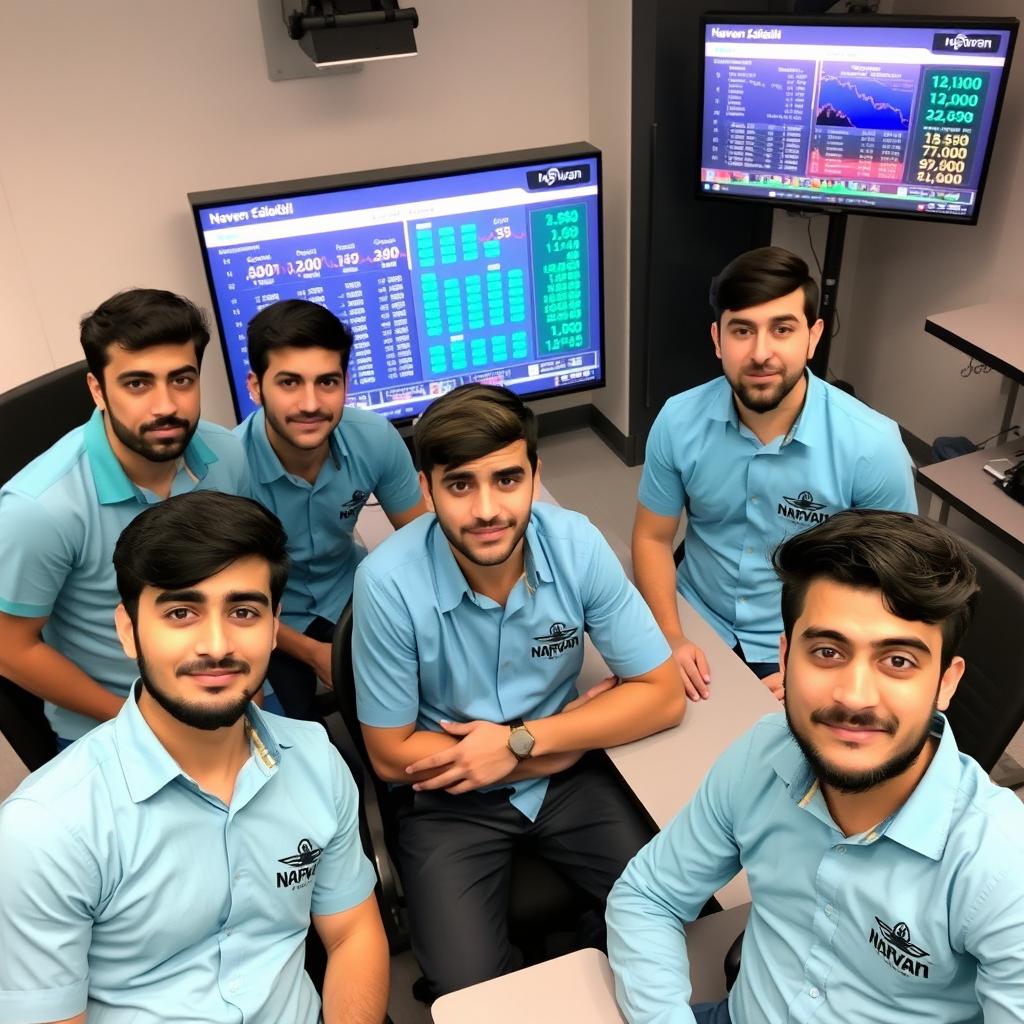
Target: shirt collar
451 583
923 822
148 767
723 407
112 483
806 427
268 463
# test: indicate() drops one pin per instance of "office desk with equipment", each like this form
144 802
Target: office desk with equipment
963 484
988 333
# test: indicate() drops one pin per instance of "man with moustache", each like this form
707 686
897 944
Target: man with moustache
166 865
62 514
884 865
754 456
314 464
467 643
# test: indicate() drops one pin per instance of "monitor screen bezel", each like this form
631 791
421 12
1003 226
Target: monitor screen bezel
351 180
857 21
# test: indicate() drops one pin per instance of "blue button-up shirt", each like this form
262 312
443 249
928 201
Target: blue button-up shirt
60 518
131 892
919 919
427 648
743 498
367 455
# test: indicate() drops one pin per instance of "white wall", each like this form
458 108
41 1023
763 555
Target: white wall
113 111
907 270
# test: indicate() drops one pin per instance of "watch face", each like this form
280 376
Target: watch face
520 742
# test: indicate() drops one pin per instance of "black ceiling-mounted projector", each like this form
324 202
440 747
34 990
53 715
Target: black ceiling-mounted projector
332 32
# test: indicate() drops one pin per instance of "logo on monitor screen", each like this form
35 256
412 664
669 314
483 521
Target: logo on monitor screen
960 42
554 177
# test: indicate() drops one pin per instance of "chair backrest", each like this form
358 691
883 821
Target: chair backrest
376 822
33 417
988 708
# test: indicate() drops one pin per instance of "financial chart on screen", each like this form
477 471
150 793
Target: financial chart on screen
489 275
868 118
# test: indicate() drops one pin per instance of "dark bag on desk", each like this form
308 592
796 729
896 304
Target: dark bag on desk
1013 482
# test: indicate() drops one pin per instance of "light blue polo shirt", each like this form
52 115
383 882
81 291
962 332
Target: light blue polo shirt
743 498
130 891
60 518
919 919
426 648
367 456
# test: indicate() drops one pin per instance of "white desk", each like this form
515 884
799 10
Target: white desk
577 987
580 986
664 771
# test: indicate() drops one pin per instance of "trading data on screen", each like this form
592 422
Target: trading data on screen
893 119
492 276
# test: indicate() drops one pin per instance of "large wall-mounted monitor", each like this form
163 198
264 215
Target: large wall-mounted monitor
485 269
884 115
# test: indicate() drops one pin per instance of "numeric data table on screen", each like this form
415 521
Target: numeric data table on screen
882 117
491 276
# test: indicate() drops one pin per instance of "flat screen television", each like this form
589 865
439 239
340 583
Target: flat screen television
485 269
880 115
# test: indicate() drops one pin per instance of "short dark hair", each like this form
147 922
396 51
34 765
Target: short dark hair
188 538
470 422
295 323
762 275
140 318
922 570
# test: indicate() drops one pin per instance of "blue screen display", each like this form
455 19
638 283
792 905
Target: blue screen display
867 118
491 275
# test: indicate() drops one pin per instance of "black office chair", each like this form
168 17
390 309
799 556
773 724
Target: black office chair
988 708
541 902
32 418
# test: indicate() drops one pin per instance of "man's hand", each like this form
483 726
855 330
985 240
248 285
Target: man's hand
776 684
319 660
693 666
479 759
595 691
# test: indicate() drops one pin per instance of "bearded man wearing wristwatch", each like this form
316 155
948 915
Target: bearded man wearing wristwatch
467 644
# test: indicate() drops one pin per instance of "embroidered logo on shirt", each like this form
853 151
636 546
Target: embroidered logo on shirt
303 866
354 504
559 639
893 945
802 509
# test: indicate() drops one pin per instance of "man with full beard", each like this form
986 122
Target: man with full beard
165 866
884 865
754 456
61 515
467 643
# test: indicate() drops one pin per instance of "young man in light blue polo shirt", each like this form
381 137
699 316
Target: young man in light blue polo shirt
884 865
62 514
468 640
754 456
166 865
315 468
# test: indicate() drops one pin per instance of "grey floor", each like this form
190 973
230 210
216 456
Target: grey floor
582 473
